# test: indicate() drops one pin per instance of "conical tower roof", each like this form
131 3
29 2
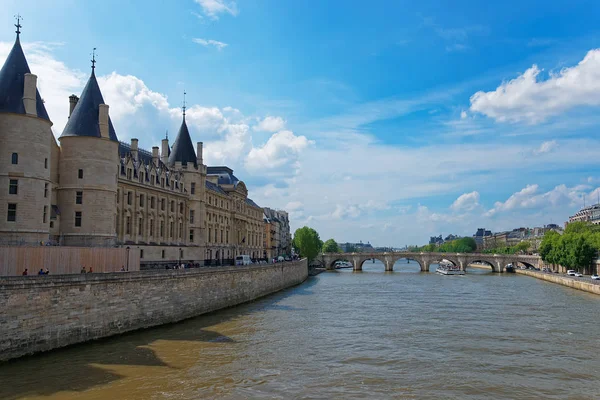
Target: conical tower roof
84 119
12 81
183 149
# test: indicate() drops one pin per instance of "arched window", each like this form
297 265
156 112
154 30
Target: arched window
15 158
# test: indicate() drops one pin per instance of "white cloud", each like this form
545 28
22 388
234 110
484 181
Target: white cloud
210 42
530 198
463 114
281 149
270 124
213 8
466 202
527 99
546 147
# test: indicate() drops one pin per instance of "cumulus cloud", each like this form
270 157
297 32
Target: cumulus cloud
270 124
463 114
528 99
529 197
210 42
281 149
546 147
213 8
466 202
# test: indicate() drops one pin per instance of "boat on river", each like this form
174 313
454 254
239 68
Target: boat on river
447 268
343 264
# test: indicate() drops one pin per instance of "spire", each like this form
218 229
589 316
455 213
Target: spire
12 80
183 149
93 60
85 119
18 25
183 108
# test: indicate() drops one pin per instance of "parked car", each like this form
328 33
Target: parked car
577 274
243 260
596 277
571 272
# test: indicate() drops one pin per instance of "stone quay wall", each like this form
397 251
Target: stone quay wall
575 283
40 313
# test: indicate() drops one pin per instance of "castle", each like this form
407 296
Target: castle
90 189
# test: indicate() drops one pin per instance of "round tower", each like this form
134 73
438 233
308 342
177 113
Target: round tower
25 151
88 169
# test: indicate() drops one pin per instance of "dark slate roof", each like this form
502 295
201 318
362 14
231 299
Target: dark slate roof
183 149
225 175
84 119
251 202
12 80
143 155
215 188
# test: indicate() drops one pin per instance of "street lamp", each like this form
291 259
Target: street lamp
127 257
179 258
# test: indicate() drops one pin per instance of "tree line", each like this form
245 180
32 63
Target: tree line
460 245
576 248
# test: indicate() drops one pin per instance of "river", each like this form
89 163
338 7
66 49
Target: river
345 335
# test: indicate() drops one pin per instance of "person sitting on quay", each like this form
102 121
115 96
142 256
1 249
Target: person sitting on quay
83 271
90 271
41 271
47 271
122 268
24 272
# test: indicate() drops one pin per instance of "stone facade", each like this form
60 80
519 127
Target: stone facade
46 312
92 190
278 239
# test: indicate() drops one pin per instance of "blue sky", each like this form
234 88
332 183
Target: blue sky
383 121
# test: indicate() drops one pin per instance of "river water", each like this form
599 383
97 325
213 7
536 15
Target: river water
345 335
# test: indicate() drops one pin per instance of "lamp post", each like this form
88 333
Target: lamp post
127 257
179 258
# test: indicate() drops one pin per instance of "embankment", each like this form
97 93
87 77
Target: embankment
563 280
40 313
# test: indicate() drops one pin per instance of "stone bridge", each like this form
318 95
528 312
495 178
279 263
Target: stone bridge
498 262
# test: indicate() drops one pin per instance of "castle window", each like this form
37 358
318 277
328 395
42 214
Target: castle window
180 230
226 236
78 197
151 202
141 177
162 182
45 190
191 235
151 227
221 235
141 200
209 200
141 253
129 198
180 208
46 163
193 188
13 186
45 214
152 179
171 229
80 174
140 227
162 230
51 224
15 158
191 216
172 206
128 226
209 234
78 218
162 254
128 173
12 213
118 195
215 236
221 203
162 204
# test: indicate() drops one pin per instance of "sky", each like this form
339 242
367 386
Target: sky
382 122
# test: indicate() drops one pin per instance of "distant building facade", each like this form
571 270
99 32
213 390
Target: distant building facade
278 240
587 214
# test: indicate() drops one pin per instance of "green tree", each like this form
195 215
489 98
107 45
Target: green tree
307 243
330 246
523 246
549 243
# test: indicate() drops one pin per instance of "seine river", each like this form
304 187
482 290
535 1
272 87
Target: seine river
345 335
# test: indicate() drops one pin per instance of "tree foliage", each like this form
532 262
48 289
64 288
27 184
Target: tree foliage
575 249
307 243
461 245
331 246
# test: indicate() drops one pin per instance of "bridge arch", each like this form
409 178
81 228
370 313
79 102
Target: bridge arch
416 260
359 261
488 263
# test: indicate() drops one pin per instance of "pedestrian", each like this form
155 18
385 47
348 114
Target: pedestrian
90 271
25 272
122 268
41 271
47 271
83 271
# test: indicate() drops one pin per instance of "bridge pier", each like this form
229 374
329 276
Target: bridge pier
389 266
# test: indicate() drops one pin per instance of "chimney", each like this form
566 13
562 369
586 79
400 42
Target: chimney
103 120
164 152
72 103
30 94
134 149
155 156
199 154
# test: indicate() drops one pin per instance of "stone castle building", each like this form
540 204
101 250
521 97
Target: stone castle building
90 189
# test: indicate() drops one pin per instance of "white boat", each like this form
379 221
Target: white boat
447 268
